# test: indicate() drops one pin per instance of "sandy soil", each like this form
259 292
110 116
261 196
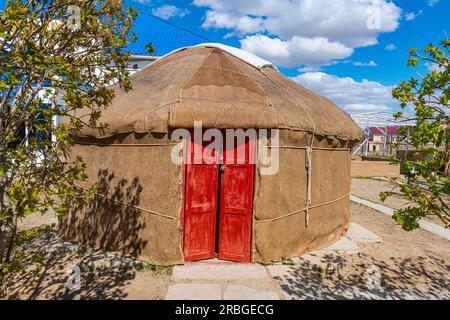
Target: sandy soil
415 263
411 265
369 189
374 169
37 221
405 265
101 275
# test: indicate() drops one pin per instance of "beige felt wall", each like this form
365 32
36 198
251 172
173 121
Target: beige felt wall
286 192
142 176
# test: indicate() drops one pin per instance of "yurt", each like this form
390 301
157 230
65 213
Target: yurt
170 212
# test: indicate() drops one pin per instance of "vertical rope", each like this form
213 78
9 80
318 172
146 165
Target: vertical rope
309 183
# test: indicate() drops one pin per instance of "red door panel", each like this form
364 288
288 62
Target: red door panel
236 199
201 185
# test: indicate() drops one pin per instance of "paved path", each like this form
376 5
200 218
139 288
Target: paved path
425 225
217 280
221 280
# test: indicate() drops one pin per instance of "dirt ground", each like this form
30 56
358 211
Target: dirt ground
369 189
374 169
101 275
413 265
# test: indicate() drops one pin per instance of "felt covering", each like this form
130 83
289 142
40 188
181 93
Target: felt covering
210 85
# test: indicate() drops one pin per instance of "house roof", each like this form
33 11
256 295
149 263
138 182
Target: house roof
391 130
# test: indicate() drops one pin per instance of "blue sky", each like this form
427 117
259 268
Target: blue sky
351 51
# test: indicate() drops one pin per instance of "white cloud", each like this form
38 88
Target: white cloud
432 2
367 107
434 67
390 47
351 95
169 11
142 1
410 16
309 69
413 15
342 23
371 63
296 51
225 20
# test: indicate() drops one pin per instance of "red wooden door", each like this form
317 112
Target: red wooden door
236 202
201 183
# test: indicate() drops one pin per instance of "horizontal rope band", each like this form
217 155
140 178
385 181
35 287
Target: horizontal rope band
303 209
130 205
304 148
127 144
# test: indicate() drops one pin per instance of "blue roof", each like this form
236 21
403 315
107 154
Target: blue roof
164 35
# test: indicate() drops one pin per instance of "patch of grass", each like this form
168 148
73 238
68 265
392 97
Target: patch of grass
287 262
321 270
363 177
370 178
158 270
163 270
28 235
327 272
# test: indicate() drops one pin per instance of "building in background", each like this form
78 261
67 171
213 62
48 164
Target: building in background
380 138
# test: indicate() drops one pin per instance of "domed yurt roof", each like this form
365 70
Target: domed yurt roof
223 87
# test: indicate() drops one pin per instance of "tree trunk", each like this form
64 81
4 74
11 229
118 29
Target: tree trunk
12 229
3 240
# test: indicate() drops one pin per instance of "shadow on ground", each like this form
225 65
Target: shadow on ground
103 223
361 277
101 275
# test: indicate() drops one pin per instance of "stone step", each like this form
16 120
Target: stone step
218 272
194 291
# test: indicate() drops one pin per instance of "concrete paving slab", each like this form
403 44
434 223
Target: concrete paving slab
236 292
278 270
194 291
342 245
358 233
219 272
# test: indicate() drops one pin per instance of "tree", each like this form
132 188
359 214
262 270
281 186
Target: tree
429 97
150 48
56 57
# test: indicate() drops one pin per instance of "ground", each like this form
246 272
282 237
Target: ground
374 169
410 265
370 188
375 260
102 275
